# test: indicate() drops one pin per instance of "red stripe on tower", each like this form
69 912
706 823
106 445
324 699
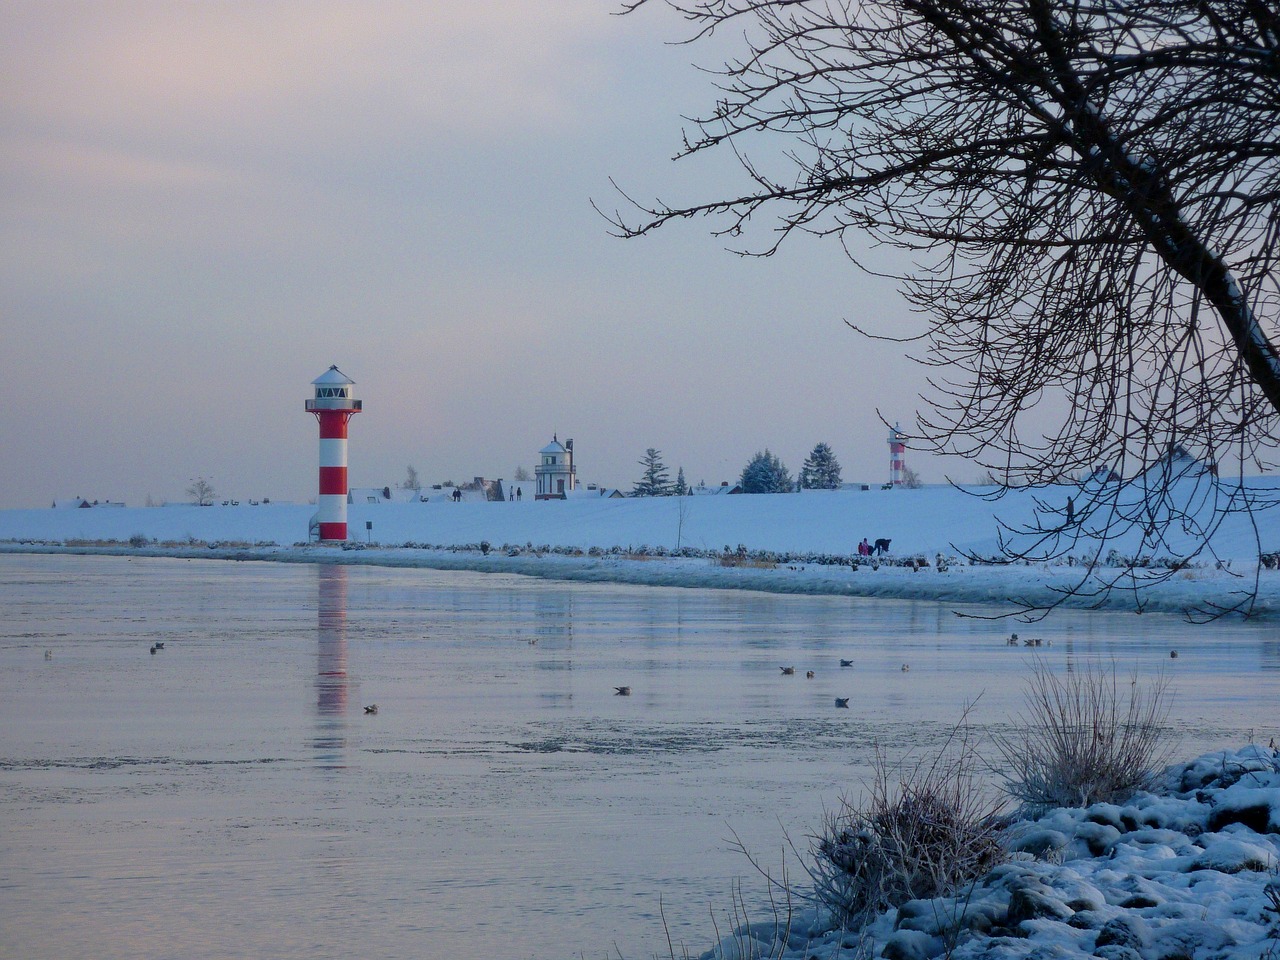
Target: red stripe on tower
333 424
333 481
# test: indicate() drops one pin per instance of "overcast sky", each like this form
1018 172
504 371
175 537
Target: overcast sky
206 204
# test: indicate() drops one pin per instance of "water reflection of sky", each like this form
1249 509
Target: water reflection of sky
330 741
505 800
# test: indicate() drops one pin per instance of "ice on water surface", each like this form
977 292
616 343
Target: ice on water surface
230 793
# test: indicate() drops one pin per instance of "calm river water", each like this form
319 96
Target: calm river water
227 796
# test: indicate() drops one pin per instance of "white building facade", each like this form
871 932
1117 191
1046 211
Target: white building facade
555 475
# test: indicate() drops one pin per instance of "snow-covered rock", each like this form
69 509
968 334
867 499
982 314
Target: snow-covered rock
1165 876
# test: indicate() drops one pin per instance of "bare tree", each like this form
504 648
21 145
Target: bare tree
201 492
1087 193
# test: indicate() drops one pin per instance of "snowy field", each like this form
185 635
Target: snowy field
542 538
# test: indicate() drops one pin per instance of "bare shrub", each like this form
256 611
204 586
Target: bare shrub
1085 738
926 828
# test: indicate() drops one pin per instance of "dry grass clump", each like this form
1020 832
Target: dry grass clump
1085 738
926 829
746 562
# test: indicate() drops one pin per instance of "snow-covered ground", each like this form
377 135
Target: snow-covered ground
629 536
1187 871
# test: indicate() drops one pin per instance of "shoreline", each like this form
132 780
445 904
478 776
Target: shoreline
1010 587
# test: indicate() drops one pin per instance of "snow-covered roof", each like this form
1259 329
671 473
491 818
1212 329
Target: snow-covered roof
332 377
723 490
582 493
555 446
382 495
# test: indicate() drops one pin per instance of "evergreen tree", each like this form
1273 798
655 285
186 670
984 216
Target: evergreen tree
821 471
655 482
765 473
682 485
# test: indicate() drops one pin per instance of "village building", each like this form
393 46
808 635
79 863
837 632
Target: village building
382 495
478 490
725 489
597 491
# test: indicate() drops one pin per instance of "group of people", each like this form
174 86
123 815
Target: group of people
456 496
867 549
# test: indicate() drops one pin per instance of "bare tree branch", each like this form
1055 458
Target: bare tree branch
1089 194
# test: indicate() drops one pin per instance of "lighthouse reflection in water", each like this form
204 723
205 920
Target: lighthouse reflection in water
331 670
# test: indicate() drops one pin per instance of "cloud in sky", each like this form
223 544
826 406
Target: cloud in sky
205 204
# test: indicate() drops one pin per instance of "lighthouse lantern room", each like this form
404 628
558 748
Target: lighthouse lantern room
333 407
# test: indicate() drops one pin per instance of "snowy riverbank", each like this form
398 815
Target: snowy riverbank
1187 871
793 543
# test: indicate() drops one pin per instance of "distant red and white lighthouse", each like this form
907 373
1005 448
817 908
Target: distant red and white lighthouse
897 449
333 407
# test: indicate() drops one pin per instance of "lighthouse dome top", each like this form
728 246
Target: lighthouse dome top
555 446
333 377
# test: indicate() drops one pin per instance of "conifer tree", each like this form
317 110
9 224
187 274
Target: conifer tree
682 485
765 473
655 481
821 471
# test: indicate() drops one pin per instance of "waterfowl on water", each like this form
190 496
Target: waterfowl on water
371 708
842 702
809 675
846 663
159 644
48 654
153 651
787 671
623 691
906 667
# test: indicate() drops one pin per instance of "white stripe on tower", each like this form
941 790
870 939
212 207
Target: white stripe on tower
333 452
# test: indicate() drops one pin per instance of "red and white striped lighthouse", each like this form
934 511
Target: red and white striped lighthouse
897 448
333 407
